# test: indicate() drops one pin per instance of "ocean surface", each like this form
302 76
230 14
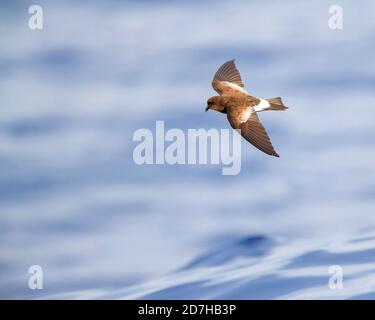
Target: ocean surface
73 201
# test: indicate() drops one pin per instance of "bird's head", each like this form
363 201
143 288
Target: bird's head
214 103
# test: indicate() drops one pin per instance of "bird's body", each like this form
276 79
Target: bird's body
242 108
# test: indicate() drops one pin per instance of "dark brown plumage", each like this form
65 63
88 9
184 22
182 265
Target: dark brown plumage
241 108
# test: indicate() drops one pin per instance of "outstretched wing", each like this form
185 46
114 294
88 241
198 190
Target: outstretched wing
254 132
227 80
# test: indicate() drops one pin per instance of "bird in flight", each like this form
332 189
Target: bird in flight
242 108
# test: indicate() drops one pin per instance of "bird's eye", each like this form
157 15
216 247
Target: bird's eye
210 102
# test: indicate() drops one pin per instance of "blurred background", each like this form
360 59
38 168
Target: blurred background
73 201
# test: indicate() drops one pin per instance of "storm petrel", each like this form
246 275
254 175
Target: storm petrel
242 108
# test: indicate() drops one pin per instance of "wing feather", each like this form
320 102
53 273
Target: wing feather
255 133
227 80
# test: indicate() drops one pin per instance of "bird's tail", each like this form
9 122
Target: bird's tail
276 104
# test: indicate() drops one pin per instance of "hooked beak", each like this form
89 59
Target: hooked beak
207 108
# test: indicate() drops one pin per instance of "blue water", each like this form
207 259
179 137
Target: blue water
74 202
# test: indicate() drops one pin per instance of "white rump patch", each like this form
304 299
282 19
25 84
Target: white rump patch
262 105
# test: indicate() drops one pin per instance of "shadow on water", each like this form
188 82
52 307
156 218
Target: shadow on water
252 246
